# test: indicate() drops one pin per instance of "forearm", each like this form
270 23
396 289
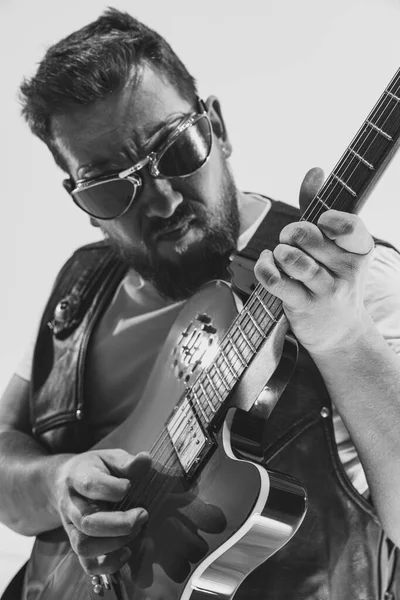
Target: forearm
364 383
27 484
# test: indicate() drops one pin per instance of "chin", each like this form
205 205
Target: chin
188 244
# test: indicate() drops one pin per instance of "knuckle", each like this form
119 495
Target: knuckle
289 255
86 484
127 525
264 273
346 226
300 233
312 268
91 566
87 525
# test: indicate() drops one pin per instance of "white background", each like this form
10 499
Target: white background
295 79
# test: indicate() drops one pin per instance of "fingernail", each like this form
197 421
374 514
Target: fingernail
142 517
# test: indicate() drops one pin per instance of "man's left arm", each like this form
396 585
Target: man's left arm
319 272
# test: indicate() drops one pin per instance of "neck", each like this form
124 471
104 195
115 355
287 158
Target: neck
250 208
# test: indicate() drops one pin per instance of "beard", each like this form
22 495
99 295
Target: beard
193 264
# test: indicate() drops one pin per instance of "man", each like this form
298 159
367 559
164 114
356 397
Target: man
147 160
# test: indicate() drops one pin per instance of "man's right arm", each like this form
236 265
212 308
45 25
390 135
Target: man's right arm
27 471
40 491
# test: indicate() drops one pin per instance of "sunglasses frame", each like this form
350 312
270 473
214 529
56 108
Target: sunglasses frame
151 161
154 158
136 181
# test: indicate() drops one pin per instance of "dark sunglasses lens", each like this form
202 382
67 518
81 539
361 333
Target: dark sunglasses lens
106 199
189 150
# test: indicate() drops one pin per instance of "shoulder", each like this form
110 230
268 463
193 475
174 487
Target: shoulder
89 253
385 266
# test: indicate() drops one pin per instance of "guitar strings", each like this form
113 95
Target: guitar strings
158 452
358 138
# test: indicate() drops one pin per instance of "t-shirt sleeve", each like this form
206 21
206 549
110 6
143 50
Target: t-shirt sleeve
382 294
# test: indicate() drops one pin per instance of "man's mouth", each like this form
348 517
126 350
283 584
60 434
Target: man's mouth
173 233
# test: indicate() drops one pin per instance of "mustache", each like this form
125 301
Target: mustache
185 212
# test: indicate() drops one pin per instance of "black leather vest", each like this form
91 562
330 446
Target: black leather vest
340 551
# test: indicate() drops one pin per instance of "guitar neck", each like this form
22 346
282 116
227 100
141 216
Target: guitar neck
345 189
364 160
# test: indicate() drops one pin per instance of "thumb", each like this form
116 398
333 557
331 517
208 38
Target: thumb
122 464
312 182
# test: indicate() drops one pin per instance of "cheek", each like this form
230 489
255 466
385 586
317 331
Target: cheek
123 231
207 182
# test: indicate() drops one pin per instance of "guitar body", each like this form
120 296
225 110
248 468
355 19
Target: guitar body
209 527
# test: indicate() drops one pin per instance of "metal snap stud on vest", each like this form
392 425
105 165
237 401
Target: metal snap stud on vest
98 589
325 412
67 308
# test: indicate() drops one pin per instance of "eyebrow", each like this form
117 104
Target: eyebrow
110 164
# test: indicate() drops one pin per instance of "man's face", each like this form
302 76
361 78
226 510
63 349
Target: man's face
178 232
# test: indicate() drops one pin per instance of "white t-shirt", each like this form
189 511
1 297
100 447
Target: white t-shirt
129 336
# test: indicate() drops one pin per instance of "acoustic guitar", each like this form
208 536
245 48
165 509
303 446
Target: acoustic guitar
215 512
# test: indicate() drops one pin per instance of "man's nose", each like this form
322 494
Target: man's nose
162 198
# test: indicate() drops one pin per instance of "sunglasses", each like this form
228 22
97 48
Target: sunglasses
184 152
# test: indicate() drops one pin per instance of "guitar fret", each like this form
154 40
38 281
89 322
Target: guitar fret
392 96
256 325
322 202
230 368
236 350
269 313
205 417
214 387
344 184
206 397
362 159
246 339
379 130
222 377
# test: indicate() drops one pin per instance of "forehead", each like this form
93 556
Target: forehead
114 132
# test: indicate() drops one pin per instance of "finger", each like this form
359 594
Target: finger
292 293
123 464
309 239
310 186
93 547
297 264
100 486
108 564
347 231
92 521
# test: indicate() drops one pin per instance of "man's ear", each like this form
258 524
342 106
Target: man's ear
68 185
218 124
93 222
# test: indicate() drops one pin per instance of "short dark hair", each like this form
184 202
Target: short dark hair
92 63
